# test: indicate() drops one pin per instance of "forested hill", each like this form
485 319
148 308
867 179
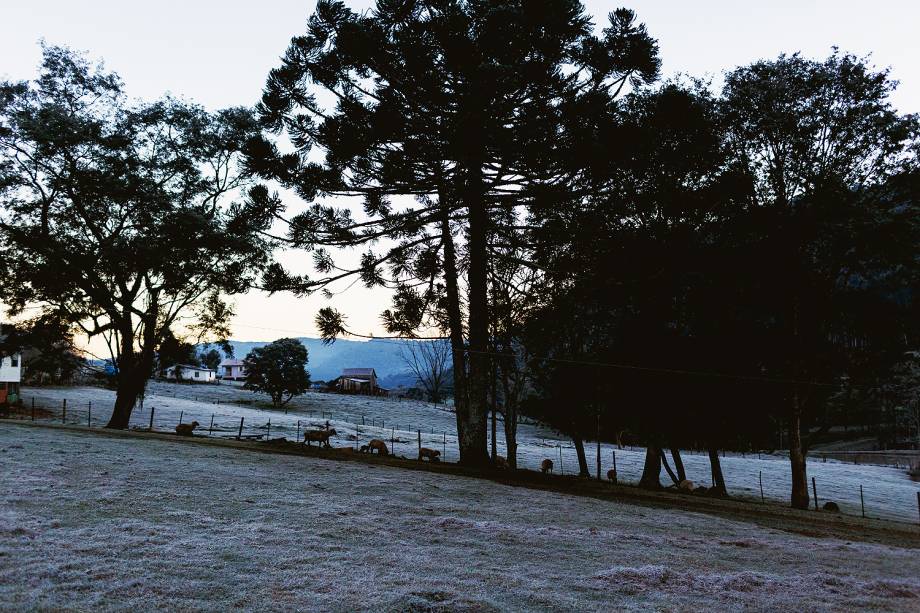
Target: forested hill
327 361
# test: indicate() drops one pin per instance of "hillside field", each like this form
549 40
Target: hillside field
888 492
90 522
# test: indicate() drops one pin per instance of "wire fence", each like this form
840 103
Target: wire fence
354 431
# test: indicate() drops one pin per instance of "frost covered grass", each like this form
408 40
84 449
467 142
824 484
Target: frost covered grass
889 493
98 523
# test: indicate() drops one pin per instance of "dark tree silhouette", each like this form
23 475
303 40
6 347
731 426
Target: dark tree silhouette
113 213
458 107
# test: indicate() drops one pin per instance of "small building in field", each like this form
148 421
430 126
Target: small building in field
187 372
358 381
232 370
10 377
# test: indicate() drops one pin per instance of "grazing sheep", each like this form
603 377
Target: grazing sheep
364 448
501 462
685 486
546 466
379 446
319 436
612 475
186 429
433 455
831 507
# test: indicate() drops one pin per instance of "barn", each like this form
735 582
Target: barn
358 381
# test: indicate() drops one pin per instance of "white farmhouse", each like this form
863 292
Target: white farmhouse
10 376
233 370
187 372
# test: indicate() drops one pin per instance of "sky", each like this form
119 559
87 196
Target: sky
218 53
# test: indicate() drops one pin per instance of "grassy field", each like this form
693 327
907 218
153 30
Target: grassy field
888 492
91 522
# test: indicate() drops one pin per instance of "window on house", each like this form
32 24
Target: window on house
196 374
14 361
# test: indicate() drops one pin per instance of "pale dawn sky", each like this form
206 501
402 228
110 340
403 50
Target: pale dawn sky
218 53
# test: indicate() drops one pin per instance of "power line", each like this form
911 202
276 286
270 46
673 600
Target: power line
614 365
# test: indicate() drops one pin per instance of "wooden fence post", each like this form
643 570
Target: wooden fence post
268 431
151 419
211 427
561 469
762 500
239 435
64 412
181 415
814 489
33 408
862 502
420 440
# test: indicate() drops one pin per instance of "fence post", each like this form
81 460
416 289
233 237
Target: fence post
762 500
862 502
268 432
64 412
211 427
444 446
33 408
362 419
89 416
420 440
918 503
240 433
151 419
561 469
814 489
181 415
393 440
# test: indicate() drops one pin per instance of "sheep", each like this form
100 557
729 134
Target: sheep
379 445
501 462
319 436
831 507
546 466
612 475
186 429
433 455
364 448
685 486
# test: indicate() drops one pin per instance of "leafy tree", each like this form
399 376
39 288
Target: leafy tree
49 341
824 146
278 369
211 358
460 107
114 213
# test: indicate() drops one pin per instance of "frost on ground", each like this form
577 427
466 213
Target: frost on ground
90 522
888 492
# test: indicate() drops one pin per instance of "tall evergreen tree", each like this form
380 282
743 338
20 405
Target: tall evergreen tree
463 107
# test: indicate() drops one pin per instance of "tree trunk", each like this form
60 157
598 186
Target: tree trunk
474 447
509 410
667 468
652 469
455 321
678 464
718 480
800 496
132 381
492 387
582 458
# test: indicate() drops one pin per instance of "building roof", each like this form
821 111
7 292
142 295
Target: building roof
190 367
358 372
230 362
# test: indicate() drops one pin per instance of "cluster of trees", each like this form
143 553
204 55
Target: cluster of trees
598 249
601 250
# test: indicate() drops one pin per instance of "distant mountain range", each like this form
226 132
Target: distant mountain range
327 361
